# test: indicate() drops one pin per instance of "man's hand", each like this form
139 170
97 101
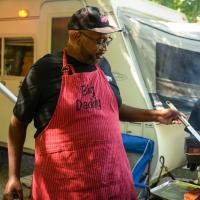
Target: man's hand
168 116
13 189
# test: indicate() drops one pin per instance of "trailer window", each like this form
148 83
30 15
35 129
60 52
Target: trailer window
18 56
177 75
59 35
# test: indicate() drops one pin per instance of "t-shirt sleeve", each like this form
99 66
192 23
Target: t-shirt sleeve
28 97
105 66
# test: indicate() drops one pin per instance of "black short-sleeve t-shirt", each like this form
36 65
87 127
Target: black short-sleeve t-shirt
40 89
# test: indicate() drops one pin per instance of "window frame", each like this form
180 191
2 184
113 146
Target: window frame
2 51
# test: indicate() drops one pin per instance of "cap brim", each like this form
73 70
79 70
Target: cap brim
109 29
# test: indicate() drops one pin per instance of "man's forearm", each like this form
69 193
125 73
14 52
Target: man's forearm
131 114
16 138
164 116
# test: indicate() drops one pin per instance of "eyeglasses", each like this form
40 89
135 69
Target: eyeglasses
102 42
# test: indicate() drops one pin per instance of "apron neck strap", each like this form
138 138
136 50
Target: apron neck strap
97 67
66 66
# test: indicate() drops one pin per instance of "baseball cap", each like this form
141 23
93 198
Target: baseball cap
91 18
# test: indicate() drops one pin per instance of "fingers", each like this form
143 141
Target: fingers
16 196
175 115
176 122
171 116
182 114
20 195
173 121
7 197
13 196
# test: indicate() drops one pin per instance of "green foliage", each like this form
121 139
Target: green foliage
191 8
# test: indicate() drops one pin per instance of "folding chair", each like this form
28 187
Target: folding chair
141 169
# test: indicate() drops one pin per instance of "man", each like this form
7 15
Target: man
76 106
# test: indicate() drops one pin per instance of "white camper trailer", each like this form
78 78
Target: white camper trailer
133 56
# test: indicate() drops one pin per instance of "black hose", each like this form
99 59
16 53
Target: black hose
162 161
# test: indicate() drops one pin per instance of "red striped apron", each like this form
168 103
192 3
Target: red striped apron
80 154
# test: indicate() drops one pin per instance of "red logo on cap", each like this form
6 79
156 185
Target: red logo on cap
104 19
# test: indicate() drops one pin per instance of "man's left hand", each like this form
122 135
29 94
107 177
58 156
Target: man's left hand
169 116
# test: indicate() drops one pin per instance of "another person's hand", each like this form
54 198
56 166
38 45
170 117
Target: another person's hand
13 189
169 116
